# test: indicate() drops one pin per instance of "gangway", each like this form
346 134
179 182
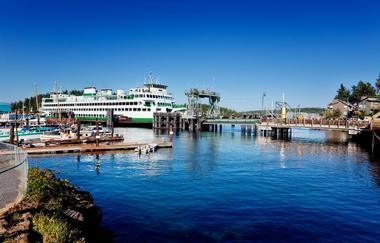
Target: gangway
194 105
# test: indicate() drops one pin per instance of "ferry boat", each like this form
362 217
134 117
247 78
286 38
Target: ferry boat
135 107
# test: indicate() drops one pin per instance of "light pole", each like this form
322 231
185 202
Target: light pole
262 103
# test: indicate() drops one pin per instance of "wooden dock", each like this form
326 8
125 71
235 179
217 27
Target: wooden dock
85 148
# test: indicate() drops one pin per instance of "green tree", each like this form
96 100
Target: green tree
342 93
76 92
360 90
332 114
378 84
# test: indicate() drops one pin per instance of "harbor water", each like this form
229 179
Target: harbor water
225 187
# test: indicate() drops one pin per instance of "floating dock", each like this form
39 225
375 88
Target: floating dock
84 148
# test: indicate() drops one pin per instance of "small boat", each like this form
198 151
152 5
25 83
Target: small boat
51 135
146 149
91 131
24 133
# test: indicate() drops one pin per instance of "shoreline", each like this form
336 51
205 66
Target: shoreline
53 210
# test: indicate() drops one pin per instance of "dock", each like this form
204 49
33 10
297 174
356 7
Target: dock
85 148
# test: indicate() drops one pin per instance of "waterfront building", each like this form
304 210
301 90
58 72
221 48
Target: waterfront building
369 105
4 108
343 106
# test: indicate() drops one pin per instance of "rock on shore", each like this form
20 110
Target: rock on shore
53 210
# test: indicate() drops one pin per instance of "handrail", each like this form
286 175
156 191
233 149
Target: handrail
13 175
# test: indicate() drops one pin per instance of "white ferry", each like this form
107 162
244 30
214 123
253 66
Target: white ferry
136 107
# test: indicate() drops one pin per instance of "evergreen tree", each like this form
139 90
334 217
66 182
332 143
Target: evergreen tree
360 90
378 84
342 93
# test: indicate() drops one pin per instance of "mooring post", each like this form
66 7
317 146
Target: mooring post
78 129
16 126
12 135
171 134
97 133
373 141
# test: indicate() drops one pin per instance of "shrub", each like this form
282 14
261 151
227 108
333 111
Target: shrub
44 188
51 228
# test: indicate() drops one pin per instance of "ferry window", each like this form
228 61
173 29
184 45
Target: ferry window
124 103
135 103
139 109
143 109
158 109
134 109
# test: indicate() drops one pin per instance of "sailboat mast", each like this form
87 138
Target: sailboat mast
37 105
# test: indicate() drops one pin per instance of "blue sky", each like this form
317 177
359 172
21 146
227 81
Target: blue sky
304 49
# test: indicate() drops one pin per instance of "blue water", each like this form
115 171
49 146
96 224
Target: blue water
225 187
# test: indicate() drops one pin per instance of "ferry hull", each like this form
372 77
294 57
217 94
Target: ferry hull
119 121
134 122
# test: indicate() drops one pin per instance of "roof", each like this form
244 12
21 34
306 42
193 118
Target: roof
152 85
370 99
5 107
335 101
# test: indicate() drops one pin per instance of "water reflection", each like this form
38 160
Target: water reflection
97 164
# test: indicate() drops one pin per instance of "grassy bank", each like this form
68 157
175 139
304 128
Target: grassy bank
53 210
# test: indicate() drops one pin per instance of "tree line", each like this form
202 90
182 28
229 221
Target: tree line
359 90
29 105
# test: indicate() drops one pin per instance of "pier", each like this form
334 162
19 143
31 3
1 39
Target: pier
85 148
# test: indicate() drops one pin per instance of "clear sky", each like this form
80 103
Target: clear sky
239 48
